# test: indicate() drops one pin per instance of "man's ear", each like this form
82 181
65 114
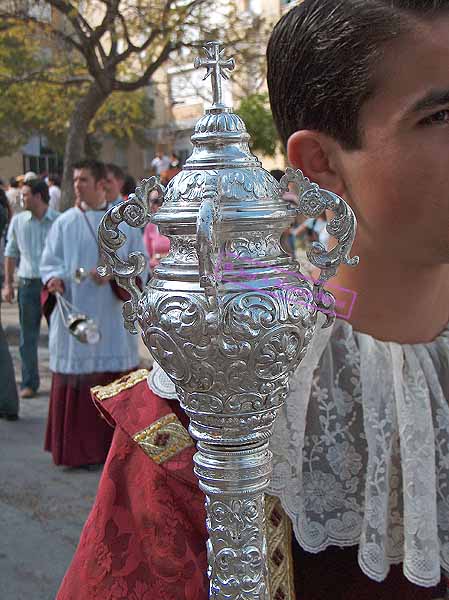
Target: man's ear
313 153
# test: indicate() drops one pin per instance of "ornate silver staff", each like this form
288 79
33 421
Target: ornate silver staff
228 316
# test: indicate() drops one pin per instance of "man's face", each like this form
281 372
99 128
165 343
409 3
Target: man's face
113 187
28 200
398 183
87 189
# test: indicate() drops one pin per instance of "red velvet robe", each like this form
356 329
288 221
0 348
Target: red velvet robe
76 434
145 538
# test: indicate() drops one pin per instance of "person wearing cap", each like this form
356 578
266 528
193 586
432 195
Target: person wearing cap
26 237
29 176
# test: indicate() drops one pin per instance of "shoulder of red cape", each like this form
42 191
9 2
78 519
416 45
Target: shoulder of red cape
157 425
159 428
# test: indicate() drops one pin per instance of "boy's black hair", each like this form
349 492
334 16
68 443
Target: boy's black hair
97 168
323 56
37 186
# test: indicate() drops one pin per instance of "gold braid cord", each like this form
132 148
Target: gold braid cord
102 392
279 542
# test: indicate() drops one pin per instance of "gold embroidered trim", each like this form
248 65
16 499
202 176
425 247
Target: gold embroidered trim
164 438
279 544
102 392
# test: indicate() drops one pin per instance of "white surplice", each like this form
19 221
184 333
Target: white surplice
70 245
361 450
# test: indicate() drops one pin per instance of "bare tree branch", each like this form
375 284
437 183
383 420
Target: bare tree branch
74 17
87 45
130 86
108 20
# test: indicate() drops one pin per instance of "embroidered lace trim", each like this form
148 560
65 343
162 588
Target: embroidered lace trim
361 452
161 384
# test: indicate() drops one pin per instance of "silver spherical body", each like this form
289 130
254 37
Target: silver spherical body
227 314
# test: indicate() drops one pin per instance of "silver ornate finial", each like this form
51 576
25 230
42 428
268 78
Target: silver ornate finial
217 66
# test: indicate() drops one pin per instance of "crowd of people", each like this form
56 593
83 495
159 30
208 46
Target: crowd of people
359 494
43 253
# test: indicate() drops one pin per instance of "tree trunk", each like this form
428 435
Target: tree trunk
81 117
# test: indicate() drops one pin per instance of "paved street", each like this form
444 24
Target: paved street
42 507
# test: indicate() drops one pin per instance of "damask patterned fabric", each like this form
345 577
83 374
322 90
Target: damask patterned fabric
361 452
145 537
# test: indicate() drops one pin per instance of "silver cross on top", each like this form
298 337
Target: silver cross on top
217 66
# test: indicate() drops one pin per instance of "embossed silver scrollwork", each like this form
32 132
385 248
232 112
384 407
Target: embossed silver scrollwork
312 202
237 548
136 213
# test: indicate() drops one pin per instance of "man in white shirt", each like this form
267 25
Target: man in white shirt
54 191
76 435
27 233
160 163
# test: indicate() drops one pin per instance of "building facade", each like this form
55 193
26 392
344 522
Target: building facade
179 98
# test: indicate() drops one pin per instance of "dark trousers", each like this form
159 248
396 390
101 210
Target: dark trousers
9 401
29 297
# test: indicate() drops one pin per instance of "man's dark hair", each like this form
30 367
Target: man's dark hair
37 186
115 170
13 182
277 174
54 179
129 185
4 201
322 58
97 168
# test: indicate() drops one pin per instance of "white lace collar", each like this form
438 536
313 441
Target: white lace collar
361 451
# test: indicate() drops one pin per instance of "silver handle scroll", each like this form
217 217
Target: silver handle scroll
208 244
313 201
135 212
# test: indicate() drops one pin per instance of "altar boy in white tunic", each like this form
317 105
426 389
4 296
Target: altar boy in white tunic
76 434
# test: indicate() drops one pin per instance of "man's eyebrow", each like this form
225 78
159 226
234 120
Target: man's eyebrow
433 99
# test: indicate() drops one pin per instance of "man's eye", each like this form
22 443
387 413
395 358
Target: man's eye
440 117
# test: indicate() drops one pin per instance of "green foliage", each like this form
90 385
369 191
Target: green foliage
37 100
256 113
125 116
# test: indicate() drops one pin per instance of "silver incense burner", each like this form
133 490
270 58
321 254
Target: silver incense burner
228 316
